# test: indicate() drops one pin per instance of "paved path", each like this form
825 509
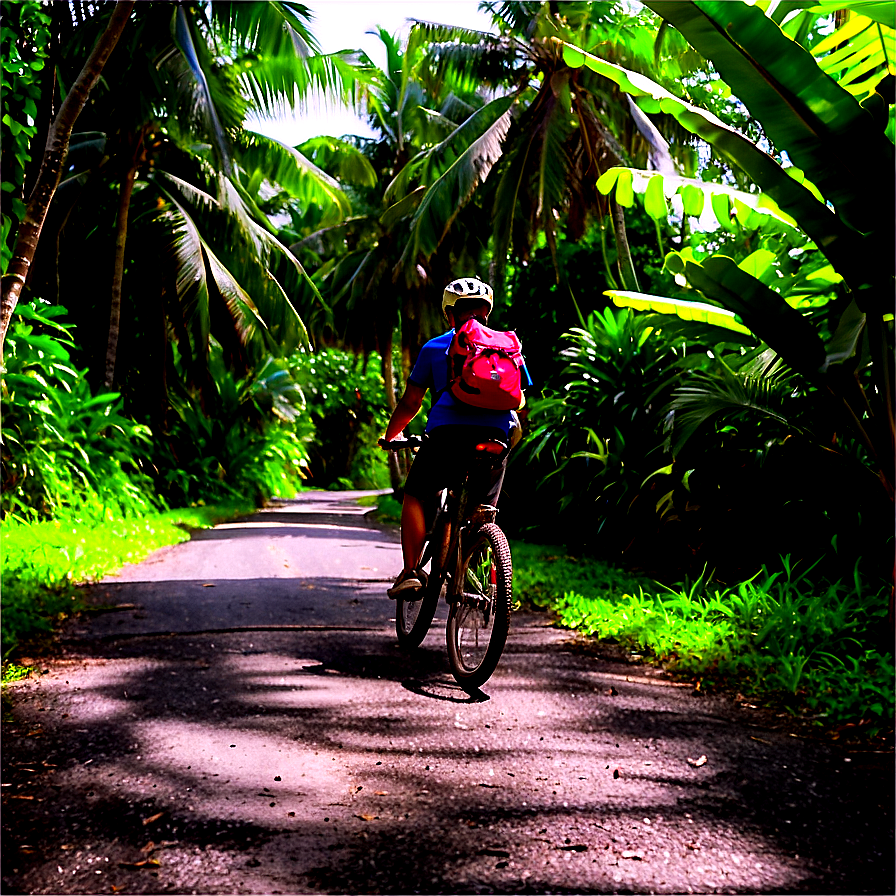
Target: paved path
245 723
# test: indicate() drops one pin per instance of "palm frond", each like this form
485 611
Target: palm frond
762 388
472 58
239 220
445 198
276 27
190 192
293 172
274 83
510 221
516 15
200 273
443 123
456 108
190 280
241 270
341 157
479 130
189 48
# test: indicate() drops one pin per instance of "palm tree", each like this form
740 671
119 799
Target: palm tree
412 107
549 130
178 149
50 172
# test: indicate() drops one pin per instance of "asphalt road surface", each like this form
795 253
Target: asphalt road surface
243 722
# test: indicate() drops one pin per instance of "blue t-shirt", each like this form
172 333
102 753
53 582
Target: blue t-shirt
431 372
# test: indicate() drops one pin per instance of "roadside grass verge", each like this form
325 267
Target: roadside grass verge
385 508
44 562
784 637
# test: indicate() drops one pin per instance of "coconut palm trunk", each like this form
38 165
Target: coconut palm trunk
121 236
121 239
395 474
623 252
51 167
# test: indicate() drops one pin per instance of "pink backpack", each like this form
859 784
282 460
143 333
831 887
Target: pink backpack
484 367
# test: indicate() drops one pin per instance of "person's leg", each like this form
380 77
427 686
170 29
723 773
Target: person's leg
413 521
413 531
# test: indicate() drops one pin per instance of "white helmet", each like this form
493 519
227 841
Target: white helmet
467 288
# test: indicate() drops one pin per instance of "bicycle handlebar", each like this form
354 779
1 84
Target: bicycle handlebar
401 444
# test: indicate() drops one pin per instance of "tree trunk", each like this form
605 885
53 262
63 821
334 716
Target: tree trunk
389 383
51 167
121 238
623 252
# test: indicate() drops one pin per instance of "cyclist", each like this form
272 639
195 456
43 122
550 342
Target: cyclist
453 428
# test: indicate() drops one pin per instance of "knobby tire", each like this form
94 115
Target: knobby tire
410 628
475 644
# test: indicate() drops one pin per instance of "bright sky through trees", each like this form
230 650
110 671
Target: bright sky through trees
341 25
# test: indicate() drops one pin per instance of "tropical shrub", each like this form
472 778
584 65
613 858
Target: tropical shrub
250 441
809 106
596 433
64 448
346 403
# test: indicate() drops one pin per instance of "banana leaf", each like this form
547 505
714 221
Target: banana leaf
860 54
843 247
658 187
760 308
447 195
821 126
725 392
694 311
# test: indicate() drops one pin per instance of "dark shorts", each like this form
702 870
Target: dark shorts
443 458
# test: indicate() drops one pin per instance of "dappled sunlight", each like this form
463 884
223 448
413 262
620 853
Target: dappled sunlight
235 772
311 749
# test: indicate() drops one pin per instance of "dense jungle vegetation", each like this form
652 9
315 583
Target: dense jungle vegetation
684 208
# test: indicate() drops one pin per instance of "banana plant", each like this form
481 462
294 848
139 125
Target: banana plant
833 141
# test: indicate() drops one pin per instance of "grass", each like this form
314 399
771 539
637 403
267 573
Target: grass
44 562
784 637
387 509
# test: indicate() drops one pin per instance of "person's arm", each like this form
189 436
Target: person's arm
405 411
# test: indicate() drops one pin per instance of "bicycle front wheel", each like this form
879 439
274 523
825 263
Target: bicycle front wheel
479 618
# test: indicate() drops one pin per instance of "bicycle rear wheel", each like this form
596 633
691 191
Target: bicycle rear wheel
414 617
414 613
479 619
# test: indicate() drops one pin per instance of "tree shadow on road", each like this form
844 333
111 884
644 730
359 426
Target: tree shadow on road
329 761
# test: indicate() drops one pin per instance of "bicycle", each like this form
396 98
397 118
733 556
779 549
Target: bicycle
470 563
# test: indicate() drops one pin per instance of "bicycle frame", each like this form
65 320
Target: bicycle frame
455 507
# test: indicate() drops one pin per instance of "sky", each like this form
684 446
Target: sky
341 25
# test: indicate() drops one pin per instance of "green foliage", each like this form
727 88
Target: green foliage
785 636
24 41
346 402
63 446
845 350
251 441
388 510
542 572
13 672
597 435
